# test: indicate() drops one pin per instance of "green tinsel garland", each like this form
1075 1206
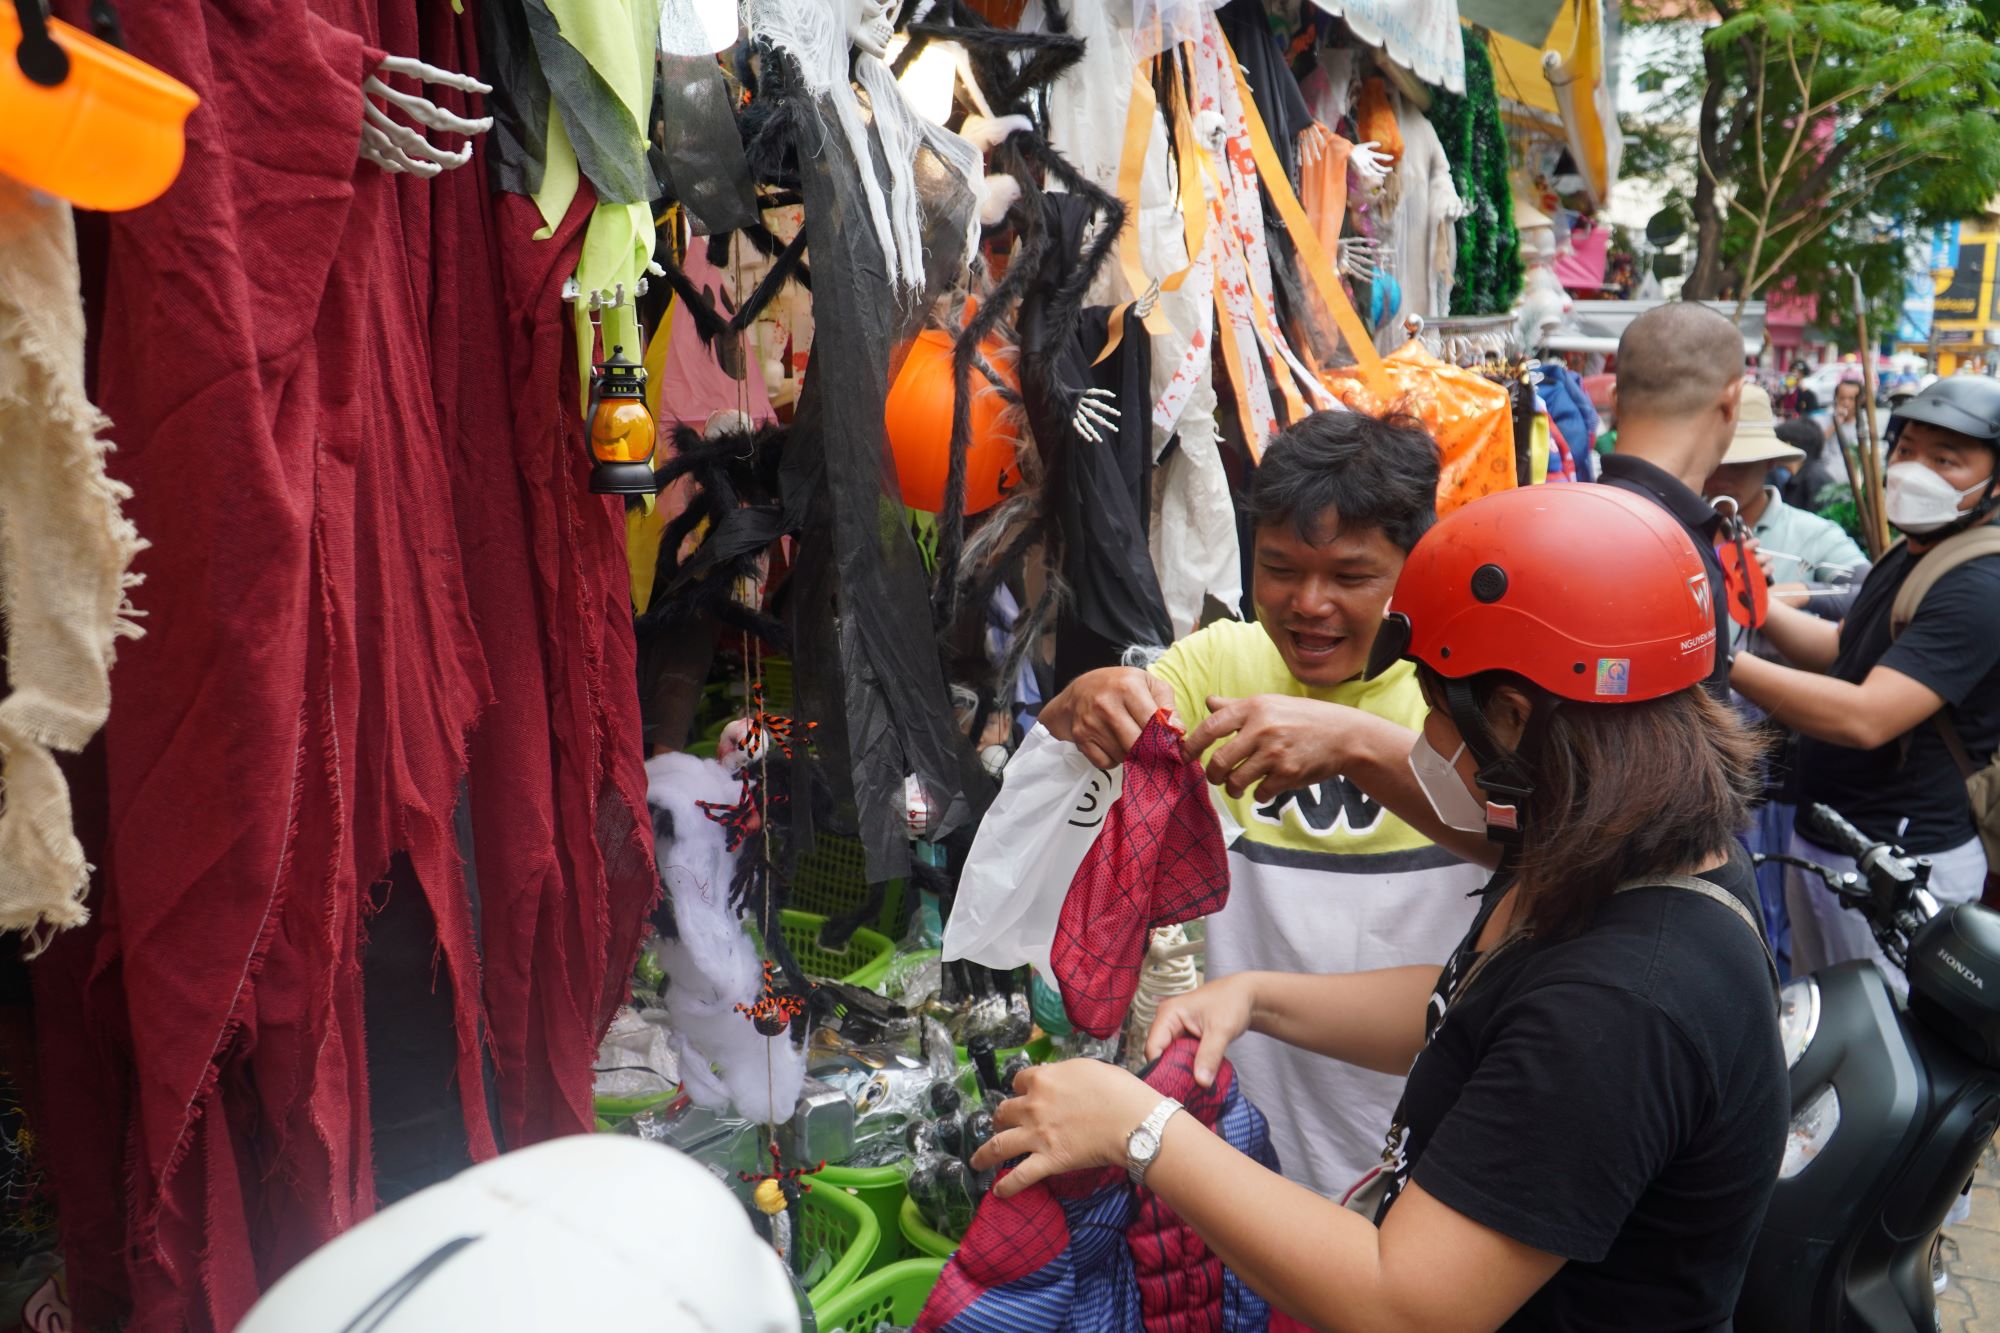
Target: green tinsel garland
1488 281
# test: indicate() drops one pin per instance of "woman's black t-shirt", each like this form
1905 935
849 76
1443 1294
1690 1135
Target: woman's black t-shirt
1619 1099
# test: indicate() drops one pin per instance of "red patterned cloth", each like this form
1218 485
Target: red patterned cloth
376 580
1085 1251
1158 860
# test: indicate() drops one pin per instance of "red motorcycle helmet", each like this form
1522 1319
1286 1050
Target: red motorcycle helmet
1589 592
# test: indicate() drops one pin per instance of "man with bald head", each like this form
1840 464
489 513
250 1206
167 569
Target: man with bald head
1680 380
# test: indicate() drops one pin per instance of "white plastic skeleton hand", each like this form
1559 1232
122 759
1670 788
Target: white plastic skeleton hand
1370 162
1315 141
1148 299
396 147
1096 415
1360 257
997 194
988 134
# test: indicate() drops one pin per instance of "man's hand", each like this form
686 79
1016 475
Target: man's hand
1281 743
1765 560
1103 711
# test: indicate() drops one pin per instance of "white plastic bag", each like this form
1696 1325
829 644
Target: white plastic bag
1051 804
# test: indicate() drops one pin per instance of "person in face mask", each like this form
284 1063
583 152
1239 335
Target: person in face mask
1596 1099
1863 698
1340 863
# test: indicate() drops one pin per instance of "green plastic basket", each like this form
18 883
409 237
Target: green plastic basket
833 881
861 963
896 1293
881 1188
831 1221
919 1235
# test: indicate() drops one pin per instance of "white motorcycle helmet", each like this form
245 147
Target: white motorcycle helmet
591 1232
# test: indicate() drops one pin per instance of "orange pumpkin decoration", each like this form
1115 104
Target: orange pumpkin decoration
918 417
105 133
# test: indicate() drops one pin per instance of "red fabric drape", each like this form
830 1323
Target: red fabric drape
376 576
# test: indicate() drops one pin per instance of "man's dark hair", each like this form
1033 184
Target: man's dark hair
1802 433
1337 470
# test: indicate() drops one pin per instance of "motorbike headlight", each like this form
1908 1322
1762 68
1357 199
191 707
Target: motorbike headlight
1811 1129
1798 1017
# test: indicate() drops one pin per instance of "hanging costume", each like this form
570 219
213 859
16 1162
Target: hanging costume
388 354
1193 532
893 717
64 549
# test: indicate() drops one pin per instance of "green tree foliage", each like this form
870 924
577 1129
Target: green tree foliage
1825 130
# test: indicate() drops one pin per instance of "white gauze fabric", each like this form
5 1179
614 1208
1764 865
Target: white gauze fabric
815 34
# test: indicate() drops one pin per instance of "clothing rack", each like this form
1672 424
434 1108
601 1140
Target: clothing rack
1490 345
1469 341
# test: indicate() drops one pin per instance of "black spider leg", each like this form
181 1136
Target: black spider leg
991 51
997 305
725 469
709 322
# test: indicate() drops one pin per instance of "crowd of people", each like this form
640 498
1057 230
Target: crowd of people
1583 1094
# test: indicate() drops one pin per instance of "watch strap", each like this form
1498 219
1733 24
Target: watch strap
1155 1124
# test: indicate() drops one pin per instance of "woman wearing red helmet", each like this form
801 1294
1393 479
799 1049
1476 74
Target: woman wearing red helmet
1596 1100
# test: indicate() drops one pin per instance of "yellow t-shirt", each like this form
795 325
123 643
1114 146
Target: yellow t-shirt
1236 660
1321 880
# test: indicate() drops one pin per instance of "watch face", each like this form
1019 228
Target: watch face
1144 1146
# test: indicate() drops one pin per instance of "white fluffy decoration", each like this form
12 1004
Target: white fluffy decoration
712 967
819 34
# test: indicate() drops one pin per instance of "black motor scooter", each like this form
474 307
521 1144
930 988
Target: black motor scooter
1893 1102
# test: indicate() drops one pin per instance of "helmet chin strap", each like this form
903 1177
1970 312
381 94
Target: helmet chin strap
1506 776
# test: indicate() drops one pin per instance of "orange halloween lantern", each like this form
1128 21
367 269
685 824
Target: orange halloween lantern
919 421
621 429
82 119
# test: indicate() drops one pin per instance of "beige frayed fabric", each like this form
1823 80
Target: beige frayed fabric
64 552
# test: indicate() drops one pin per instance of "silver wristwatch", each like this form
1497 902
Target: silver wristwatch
1142 1146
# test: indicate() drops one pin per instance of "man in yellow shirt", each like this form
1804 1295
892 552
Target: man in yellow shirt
1341 864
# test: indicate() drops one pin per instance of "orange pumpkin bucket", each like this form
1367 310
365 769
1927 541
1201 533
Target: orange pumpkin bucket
918 416
83 120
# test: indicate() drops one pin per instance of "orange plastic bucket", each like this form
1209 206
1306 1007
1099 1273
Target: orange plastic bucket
919 420
109 136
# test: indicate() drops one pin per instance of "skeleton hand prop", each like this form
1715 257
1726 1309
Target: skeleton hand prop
1148 299
1370 163
997 194
1314 141
1360 257
395 147
987 135
1096 414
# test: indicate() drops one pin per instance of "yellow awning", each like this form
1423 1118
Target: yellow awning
1563 82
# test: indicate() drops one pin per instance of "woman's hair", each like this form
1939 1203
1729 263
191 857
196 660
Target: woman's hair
1623 791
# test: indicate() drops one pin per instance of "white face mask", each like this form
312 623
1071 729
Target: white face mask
1456 807
1920 500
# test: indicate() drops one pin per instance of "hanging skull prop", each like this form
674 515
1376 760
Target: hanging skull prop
823 38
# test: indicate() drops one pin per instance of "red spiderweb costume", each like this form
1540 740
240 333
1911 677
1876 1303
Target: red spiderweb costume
1157 861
